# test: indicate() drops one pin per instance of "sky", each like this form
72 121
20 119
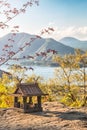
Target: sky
67 17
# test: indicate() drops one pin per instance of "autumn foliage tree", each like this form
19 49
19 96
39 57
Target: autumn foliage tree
72 78
82 59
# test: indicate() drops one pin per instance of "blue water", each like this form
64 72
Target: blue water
45 72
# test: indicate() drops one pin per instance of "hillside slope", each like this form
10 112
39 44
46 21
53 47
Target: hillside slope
75 43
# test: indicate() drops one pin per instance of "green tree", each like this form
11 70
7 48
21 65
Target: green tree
69 66
18 73
83 75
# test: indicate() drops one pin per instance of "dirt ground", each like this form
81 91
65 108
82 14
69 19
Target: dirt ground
54 117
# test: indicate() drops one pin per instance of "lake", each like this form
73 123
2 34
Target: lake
44 71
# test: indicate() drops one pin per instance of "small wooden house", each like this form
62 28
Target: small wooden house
27 91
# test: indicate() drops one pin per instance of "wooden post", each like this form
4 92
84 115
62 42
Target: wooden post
30 100
39 101
25 102
15 101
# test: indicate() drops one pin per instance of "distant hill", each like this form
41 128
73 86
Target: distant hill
38 46
75 43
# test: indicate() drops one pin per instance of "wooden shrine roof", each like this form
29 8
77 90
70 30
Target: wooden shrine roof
28 89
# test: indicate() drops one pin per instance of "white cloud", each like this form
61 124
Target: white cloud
60 32
71 31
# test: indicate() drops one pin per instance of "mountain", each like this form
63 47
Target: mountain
37 47
75 43
54 45
19 40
